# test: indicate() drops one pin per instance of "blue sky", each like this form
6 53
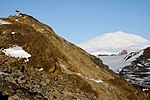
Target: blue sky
80 20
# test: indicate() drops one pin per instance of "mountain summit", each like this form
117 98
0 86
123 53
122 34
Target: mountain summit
37 64
115 42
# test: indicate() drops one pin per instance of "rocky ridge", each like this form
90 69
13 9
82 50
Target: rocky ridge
57 69
138 72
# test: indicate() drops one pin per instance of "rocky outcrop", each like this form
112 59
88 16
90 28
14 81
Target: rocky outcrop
57 69
146 53
123 52
138 72
33 84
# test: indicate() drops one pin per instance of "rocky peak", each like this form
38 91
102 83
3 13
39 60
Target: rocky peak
56 69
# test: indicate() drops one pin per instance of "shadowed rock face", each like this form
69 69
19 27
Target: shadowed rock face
146 53
57 69
138 72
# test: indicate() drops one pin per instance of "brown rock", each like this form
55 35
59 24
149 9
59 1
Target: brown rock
146 52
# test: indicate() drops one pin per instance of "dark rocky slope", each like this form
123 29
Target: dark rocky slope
57 69
138 72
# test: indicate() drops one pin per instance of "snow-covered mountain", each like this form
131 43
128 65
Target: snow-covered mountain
114 43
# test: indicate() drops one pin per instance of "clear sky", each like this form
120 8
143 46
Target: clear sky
80 20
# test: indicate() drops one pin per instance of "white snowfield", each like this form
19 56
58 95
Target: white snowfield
4 22
116 63
17 52
114 43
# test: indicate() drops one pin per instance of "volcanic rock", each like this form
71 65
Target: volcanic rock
146 53
55 68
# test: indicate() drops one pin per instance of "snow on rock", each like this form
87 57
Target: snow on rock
80 74
12 33
25 17
97 67
26 60
64 67
91 79
139 64
3 73
16 19
41 69
145 89
17 52
4 22
97 81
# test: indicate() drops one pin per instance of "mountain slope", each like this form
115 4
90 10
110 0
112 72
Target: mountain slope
115 42
53 68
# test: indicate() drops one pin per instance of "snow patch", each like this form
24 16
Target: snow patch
26 60
12 33
63 66
41 69
97 81
80 74
16 19
140 65
25 17
3 73
145 89
97 67
91 79
17 52
4 22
